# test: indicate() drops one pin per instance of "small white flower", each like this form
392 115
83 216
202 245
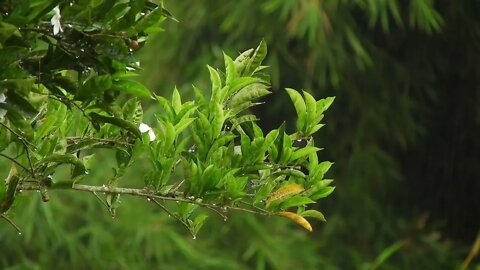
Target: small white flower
2 100
55 21
146 128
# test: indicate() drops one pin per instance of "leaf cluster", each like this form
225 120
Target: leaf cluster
68 96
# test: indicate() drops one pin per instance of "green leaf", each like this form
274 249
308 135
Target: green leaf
168 134
263 192
314 214
249 93
242 60
322 193
302 152
239 83
256 59
311 108
11 188
117 12
237 121
7 30
131 87
198 223
286 150
230 70
296 201
187 109
94 86
293 173
182 125
67 83
216 84
13 98
150 23
11 54
218 119
270 139
387 253
199 96
166 106
324 104
116 122
221 141
300 108
132 111
176 101
48 124
79 167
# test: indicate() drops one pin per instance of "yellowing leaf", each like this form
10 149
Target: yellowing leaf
284 192
297 219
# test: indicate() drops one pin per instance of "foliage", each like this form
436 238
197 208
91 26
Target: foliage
68 97
404 127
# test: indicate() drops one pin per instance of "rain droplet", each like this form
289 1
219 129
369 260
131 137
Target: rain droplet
194 237
20 190
19 233
142 13
299 140
148 199
225 219
71 3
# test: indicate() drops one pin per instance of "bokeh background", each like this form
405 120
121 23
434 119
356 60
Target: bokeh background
403 133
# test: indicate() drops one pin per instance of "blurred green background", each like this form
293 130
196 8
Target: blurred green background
403 133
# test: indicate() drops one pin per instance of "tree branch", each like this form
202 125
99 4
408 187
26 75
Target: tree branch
177 197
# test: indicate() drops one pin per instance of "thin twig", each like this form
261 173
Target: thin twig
98 140
214 209
164 208
25 144
11 223
14 161
140 193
